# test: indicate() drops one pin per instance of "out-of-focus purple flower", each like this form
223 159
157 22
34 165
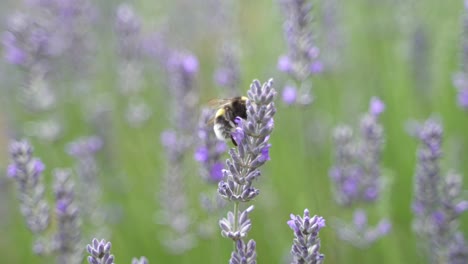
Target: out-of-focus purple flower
359 233
289 95
301 61
356 174
67 240
88 190
306 245
84 146
141 260
190 64
209 150
463 97
182 68
202 154
427 176
12 51
216 173
168 138
316 67
27 172
228 73
437 202
376 106
357 170
284 63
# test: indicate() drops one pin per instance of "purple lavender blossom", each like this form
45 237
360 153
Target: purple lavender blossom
242 168
460 80
289 95
100 252
427 176
228 73
356 173
173 200
67 240
244 253
359 233
27 172
252 137
306 244
127 28
141 260
182 68
437 203
301 62
302 51
209 151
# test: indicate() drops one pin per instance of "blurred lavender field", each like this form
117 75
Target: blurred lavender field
352 149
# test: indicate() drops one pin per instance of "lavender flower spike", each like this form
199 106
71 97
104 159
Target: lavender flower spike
209 151
27 172
68 237
427 178
252 152
100 252
245 253
142 260
306 244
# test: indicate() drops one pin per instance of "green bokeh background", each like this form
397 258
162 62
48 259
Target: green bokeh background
375 60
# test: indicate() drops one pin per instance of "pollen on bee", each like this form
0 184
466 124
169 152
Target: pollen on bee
220 112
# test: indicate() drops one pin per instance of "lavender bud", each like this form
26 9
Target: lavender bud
141 260
100 252
68 237
244 253
27 172
306 244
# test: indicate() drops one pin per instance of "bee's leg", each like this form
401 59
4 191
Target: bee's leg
233 141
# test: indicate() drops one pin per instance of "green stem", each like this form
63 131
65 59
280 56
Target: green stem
236 219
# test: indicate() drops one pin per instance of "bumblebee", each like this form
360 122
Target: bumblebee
224 120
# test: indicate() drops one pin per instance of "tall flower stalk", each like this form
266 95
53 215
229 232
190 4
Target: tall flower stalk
67 240
356 175
460 79
301 61
84 151
27 170
177 141
437 202
99 253
306 244
129 36
242 168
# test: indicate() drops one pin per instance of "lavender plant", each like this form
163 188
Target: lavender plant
99 251
84 151
177 141
306 243
27 170
208 154
460 79
437 202
356 175
128 30
301 62
252 137
67 240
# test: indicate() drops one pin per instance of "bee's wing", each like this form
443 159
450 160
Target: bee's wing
218 103
211 121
